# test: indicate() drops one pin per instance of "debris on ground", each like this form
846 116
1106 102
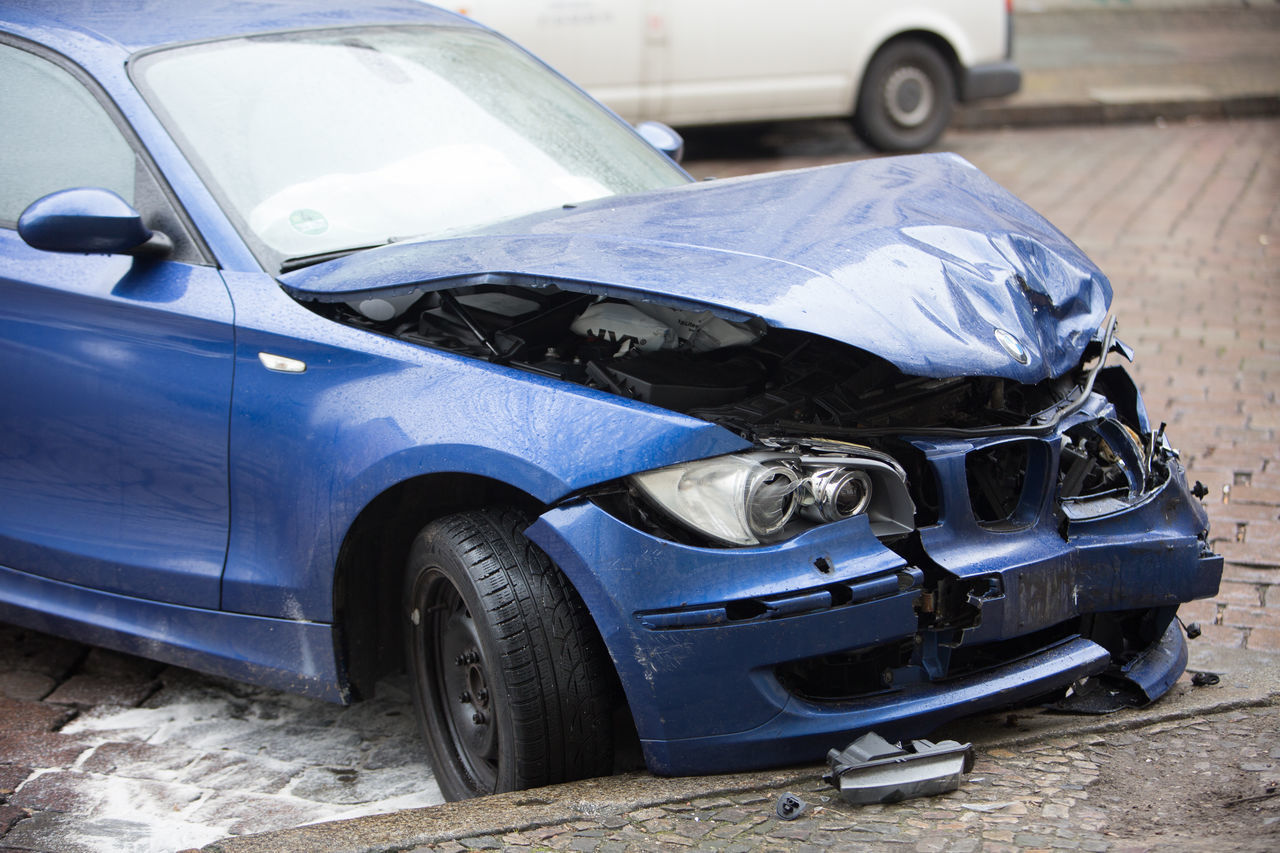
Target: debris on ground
873 770
790 807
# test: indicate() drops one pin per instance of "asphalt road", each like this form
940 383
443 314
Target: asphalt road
102 752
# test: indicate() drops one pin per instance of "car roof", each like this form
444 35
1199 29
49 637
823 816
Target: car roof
89 30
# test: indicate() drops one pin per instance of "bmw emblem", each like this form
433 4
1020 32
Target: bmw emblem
1013 346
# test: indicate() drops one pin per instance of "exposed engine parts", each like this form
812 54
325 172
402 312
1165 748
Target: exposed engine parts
772 386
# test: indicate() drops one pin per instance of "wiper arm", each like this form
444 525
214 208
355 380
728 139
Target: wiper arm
299 261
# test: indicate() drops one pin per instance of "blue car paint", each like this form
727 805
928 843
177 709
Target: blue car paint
99 488
806 729
1138 558
392 411
621 571
787 247
287 654
926 257
83 220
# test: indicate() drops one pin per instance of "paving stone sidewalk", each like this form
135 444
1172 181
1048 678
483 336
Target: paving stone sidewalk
1199 772
1094 792
1085 61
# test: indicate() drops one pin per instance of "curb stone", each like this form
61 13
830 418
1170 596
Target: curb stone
1252 682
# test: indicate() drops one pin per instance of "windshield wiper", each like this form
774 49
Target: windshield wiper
299 261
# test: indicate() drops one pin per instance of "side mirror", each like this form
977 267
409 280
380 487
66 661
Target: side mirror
663 138
89 220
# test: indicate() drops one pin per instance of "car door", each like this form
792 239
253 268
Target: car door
115 372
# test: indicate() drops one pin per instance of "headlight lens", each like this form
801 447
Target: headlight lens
839 493
739 500
771 500
755 498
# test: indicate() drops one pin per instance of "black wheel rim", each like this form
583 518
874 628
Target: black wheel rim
459 674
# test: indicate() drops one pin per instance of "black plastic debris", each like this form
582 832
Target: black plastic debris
1204 679
790 807
872 770
1096 696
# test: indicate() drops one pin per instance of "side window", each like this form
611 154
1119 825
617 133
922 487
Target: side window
56 136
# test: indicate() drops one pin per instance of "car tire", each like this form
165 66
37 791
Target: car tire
907 95
511 683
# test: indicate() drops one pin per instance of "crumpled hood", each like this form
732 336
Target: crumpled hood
919 260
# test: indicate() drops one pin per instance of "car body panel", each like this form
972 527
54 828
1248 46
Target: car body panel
803 729
926 256
99 489
287 654
368 396
1031 582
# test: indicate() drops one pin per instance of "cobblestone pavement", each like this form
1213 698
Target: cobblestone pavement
104 752
1197 771
1093 792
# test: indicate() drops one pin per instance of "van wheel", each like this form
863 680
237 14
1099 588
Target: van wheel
511 684
907 96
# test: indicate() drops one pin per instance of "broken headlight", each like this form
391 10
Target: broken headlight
762 497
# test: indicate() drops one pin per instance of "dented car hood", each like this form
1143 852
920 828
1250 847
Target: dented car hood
922 260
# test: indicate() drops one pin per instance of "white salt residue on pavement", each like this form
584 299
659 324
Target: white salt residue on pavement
206 758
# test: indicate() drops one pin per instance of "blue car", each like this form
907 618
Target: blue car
338 340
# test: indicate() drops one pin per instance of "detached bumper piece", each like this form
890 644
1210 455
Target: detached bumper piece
1141 681
872 770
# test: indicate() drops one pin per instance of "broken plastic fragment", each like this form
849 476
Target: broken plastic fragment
790 807
1098 696
872 770
1204 679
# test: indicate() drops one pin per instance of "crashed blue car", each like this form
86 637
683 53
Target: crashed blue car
339 340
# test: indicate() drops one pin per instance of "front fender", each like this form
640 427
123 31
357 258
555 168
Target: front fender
310 450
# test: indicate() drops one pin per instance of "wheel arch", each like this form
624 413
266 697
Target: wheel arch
932 38
367 577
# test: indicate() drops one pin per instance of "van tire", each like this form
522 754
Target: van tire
907 96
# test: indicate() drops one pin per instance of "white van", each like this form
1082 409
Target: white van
896 66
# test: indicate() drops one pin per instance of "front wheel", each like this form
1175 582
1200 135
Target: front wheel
907 96
511 684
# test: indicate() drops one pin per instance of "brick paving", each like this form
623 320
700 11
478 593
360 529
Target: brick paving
107 752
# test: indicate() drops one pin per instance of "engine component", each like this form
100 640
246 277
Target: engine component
617 322
702 331
679 381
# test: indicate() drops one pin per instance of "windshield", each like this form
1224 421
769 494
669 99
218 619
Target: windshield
323 141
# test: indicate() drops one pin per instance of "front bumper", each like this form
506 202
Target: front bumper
699 636
993 80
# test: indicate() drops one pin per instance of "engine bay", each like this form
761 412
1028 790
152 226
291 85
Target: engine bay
738 373
774 385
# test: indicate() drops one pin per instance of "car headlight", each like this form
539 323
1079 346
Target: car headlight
755 498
